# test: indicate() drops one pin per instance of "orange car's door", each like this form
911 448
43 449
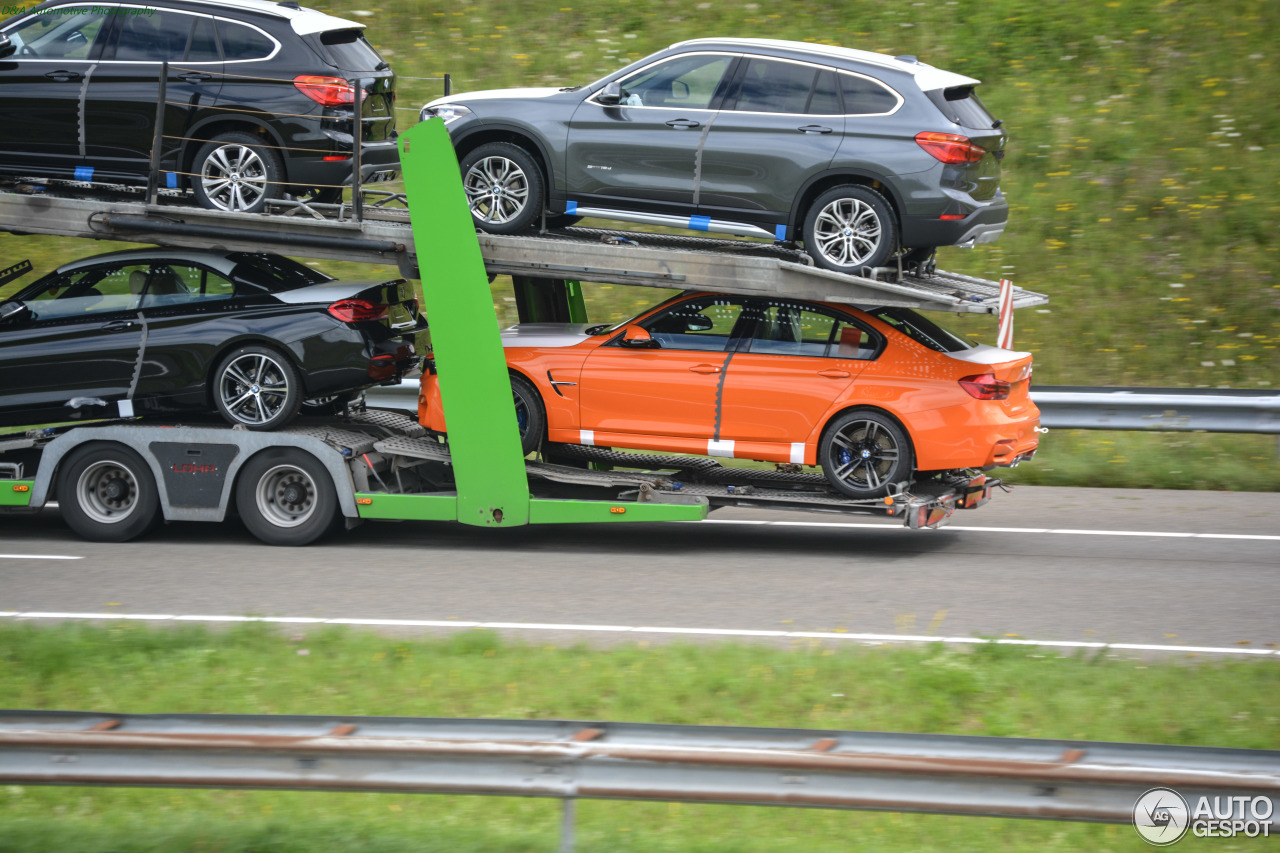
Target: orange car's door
799 361
670 389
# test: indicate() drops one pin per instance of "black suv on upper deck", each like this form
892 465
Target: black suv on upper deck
258 99
857 154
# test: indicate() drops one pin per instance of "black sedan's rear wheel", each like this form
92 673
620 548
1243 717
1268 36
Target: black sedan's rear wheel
850 229
503 186
863 453
257 387
106 493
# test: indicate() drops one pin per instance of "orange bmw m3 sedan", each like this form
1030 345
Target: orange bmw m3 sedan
876 397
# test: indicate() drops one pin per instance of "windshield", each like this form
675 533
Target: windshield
921 330
610 329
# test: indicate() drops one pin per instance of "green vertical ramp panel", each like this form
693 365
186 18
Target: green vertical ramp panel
474 385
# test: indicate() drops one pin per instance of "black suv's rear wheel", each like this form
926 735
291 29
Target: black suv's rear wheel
504 187
235 171
849 229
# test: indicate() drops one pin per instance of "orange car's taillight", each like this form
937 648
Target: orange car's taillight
984 386
328 91
357 310
951 148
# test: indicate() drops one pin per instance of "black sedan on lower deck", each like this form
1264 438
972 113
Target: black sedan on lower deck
250 336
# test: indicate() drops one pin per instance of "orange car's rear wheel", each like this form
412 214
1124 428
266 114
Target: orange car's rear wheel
863 453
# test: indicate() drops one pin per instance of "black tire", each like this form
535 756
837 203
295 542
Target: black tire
106 493
334 404
863 452
236 171
850 229
286 496
531 417
257 387
503 186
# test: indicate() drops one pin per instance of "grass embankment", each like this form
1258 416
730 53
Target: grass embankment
252 669
1141 173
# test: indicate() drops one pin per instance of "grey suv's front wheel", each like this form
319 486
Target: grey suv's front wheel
504 187
849 229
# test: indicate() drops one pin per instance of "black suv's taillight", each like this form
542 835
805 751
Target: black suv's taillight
327 91
951 148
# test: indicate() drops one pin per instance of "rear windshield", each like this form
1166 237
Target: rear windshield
349 50
961 105
273 273
921 329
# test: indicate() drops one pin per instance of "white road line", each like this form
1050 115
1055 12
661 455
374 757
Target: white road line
874 639
38 557
1059 531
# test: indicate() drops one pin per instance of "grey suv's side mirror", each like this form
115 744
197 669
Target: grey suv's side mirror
6 47
610 95
12 311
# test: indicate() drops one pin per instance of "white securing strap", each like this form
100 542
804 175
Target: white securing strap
719 448
587 437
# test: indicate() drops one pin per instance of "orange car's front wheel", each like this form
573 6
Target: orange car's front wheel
863 453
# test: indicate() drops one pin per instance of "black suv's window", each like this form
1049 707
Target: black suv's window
63 32
240 42
865 97
348 49
204 43
163 35
687 82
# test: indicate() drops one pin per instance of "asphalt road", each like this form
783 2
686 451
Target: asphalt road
1158 567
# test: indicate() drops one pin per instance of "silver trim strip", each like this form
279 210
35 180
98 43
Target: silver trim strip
720 226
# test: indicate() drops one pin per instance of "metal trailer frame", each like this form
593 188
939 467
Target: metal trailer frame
490 478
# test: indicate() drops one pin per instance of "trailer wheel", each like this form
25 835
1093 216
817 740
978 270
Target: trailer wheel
106 493
286 497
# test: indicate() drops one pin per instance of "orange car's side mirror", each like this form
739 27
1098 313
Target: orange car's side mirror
635 336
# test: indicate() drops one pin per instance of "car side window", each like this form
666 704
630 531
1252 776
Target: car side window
825 100
161 36
704 324
686 81
97 290
863 96
788 328
241 43
179 284
55 35
775 87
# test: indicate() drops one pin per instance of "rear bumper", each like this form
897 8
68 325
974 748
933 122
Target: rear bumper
983 222
969 436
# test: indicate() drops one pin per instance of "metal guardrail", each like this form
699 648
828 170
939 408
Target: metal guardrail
940 774
1071 407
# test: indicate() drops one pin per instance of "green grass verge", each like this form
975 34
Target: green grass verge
1006 691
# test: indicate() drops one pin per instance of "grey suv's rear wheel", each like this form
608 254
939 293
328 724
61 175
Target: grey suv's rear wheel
850 228
504 187
236 171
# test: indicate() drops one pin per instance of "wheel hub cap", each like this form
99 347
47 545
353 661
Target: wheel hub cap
114 490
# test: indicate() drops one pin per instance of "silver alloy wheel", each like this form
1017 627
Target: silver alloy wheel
107 492
286 496
254 388
847 232
497 190
233 177
866 446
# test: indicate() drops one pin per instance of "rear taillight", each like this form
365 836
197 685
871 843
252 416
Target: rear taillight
984 386
328 91
357 311
950 148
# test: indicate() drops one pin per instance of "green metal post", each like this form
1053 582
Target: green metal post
475 388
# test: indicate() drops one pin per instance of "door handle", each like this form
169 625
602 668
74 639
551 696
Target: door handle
118 326
194 77
705 368
832 373
814 128
683 123
63 76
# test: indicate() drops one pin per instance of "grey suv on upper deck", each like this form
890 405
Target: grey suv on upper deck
858 155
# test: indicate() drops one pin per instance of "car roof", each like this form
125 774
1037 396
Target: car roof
927 77
217 261
304 21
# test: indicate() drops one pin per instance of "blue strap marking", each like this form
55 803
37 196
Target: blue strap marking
780 232
84 173
171 180
570 207
699 223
